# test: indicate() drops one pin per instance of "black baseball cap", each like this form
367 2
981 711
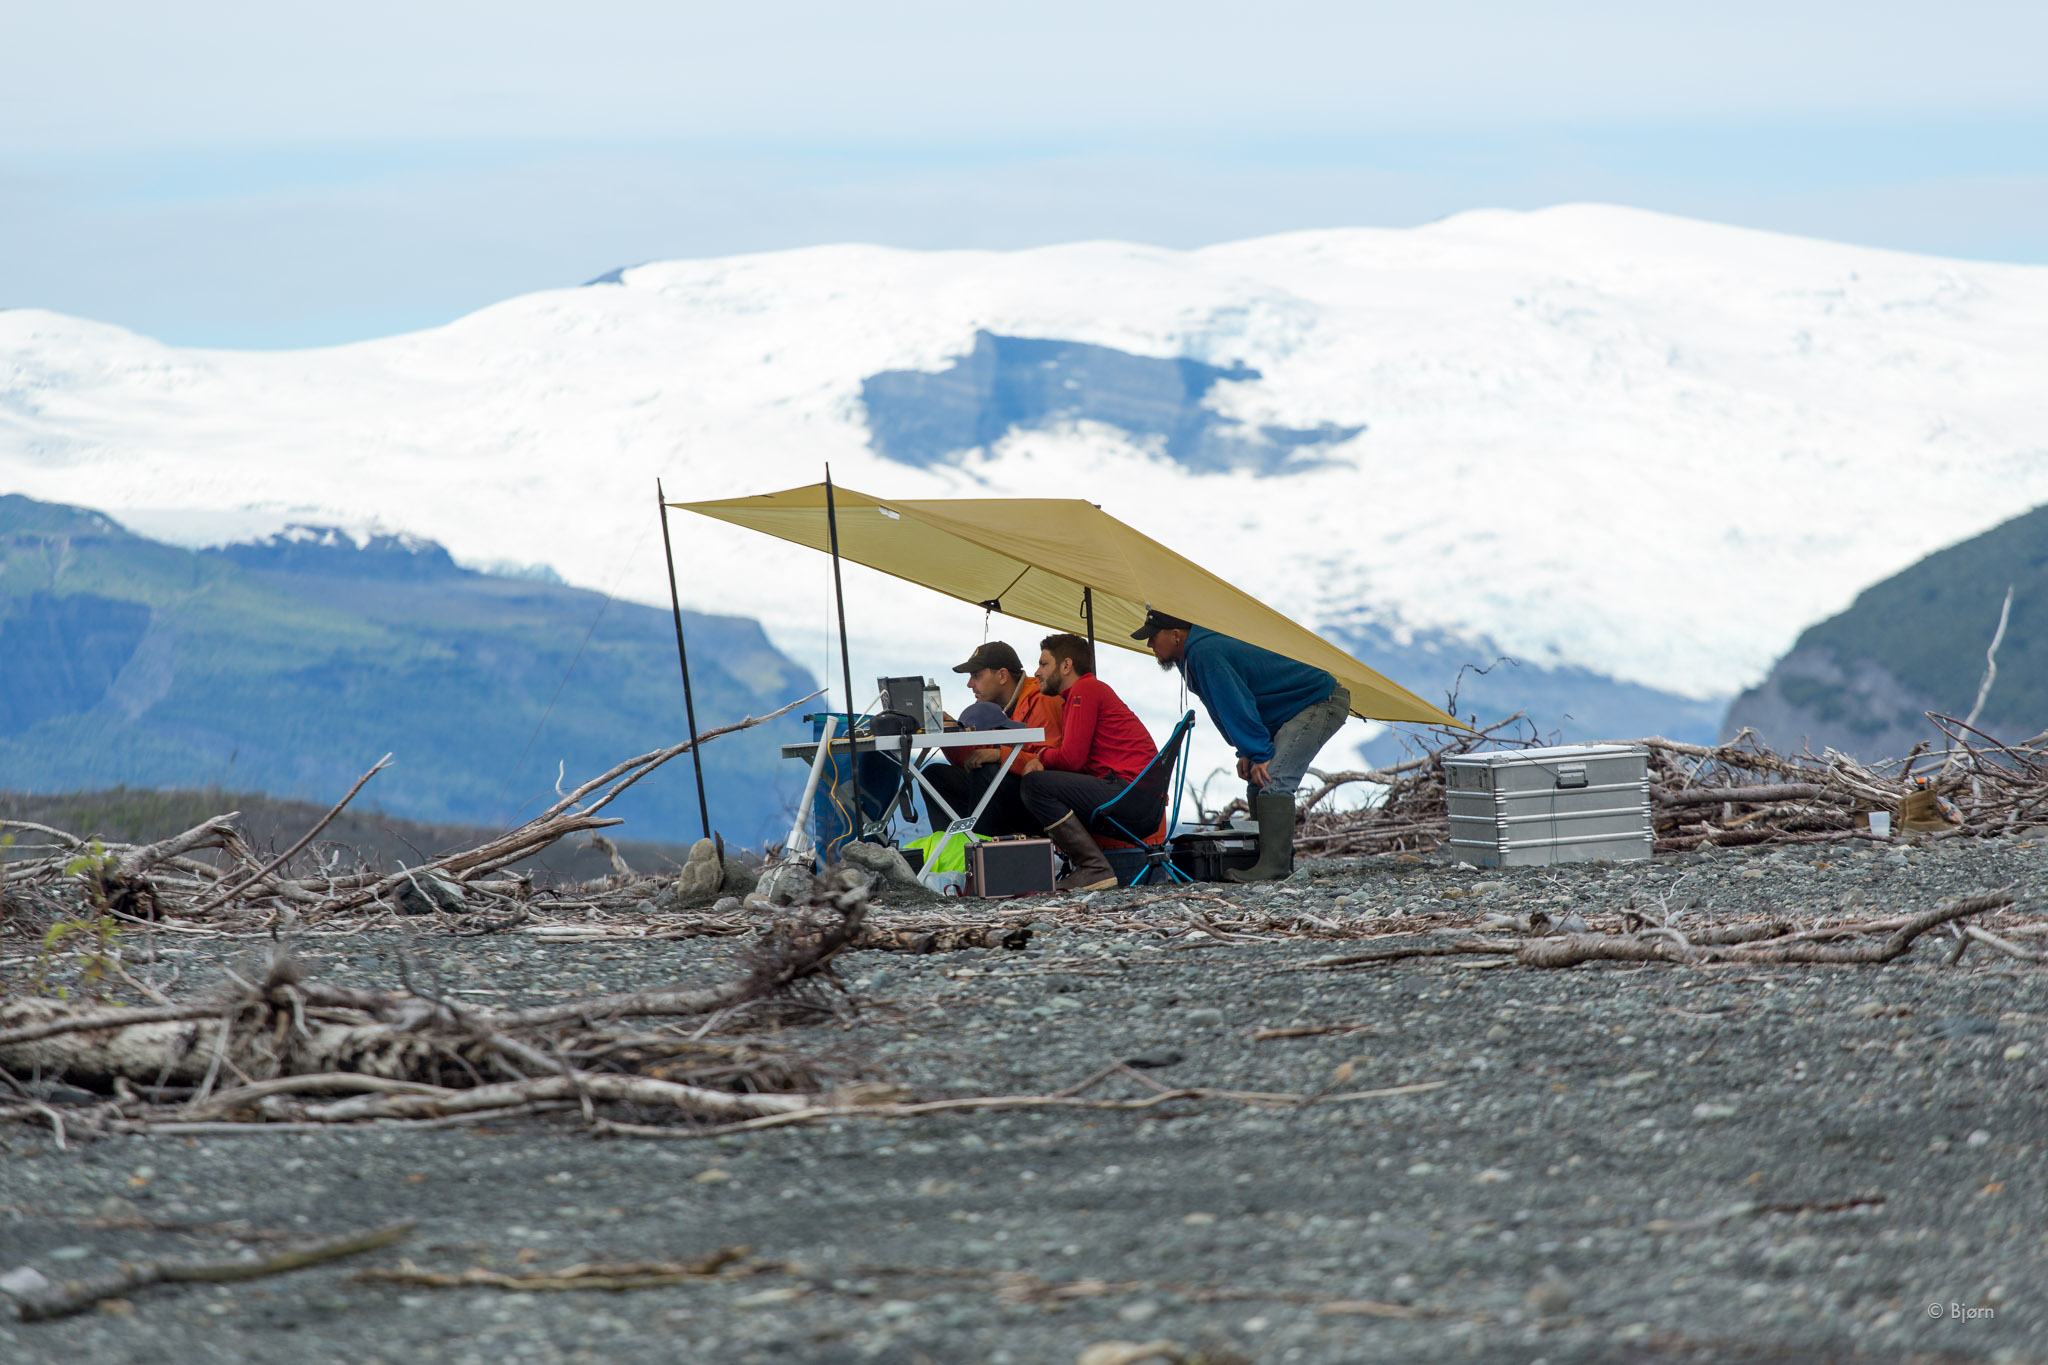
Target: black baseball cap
1156 621
994 654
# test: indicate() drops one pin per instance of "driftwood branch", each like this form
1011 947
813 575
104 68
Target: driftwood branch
602 1275
1736 794
285 857
164 881
1748 944
207 835
284 1049
63 1297
1991 659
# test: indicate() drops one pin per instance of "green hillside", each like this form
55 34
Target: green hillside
1929 626
289 667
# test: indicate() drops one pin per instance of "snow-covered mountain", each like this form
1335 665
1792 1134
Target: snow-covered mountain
1605 441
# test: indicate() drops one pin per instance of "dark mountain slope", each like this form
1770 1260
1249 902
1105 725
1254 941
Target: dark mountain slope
290 666
1861 682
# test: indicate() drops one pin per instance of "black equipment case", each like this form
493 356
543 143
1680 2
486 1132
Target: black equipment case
1208 854
1010 867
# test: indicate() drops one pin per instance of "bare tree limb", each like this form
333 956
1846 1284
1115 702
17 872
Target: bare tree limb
281 859
75 1296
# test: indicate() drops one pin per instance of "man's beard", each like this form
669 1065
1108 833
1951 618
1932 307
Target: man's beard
1166 665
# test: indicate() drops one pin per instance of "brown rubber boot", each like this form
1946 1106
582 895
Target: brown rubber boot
1276 840
1090 871
1920 812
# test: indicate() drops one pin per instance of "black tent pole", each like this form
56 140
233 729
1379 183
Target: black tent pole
1088 610
839 596
683 660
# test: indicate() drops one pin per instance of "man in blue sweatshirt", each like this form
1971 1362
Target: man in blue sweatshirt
1277 713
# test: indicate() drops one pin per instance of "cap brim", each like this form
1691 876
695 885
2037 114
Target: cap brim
986 715
1146 632
967 667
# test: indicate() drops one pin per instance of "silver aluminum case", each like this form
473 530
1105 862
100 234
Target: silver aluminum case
1537 807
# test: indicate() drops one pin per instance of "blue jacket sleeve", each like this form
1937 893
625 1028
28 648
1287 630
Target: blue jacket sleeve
1230 704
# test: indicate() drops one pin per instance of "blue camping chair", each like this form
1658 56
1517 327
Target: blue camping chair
1140 805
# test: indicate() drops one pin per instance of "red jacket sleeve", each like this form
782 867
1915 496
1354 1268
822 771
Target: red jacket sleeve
1078 712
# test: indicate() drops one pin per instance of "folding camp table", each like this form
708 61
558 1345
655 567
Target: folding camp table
905 745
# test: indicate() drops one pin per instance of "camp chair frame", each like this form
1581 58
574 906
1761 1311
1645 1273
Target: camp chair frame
1173 757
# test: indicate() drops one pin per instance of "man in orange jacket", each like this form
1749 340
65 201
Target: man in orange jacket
996 677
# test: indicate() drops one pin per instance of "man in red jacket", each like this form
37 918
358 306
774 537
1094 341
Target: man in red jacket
1102 749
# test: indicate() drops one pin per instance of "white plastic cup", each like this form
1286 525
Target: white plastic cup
1881 823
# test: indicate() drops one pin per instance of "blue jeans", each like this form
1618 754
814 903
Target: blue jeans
1299 739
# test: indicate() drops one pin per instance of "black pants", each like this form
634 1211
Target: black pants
962 787
1050 795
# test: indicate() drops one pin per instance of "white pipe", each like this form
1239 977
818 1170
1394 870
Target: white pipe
797 844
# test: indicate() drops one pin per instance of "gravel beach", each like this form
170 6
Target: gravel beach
1616 1162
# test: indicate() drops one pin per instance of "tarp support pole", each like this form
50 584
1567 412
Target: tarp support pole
839 596
675 603
1088 610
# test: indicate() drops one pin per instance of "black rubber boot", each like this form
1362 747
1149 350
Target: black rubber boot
1276 840
1088 870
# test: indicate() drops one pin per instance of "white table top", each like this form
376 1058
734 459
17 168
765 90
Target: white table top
950 739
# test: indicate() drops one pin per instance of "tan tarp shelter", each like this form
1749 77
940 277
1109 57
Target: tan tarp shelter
1033 556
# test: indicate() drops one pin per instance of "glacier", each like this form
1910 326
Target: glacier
1606 441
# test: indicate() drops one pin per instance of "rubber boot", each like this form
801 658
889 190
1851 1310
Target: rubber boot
1276 840
1088 869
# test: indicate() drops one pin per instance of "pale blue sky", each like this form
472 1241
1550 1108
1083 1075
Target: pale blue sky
276 174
